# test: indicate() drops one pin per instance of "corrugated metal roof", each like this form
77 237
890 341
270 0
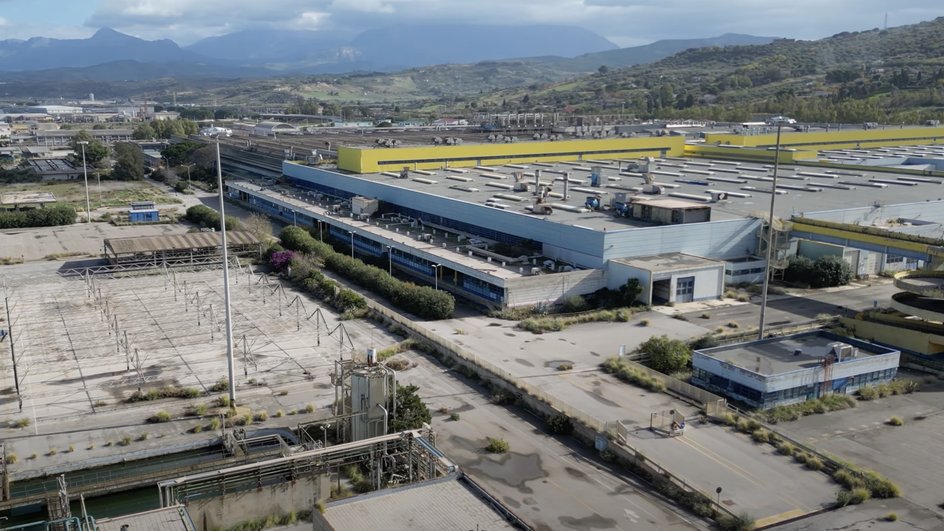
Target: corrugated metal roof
177 242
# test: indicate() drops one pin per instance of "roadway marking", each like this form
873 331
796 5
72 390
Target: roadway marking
714 456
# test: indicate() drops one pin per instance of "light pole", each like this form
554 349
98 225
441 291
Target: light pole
770 236
228 310
352 242
98 182
436 275
390 260
88 203
189 183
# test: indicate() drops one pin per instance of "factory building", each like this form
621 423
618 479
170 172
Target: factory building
512 224
790 369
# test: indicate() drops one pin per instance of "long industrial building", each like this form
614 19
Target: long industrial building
512 224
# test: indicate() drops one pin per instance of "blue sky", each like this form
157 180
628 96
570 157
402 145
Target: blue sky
625 22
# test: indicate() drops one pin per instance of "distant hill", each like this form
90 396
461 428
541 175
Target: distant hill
106 45
650 53
409 46
892 75
267 46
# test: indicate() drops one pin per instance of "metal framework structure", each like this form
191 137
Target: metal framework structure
390 460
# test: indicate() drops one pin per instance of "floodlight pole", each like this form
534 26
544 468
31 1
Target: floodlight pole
88 203
226 302
770 237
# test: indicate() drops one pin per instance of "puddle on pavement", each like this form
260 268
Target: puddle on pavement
588 522
596 395
512 469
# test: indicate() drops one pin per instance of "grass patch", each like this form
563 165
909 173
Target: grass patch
215 423
894 387
786 448
855 496
222 401
874 483
220 386
402 346
497 445
125 441
21 422
11 459
823 404
540 325
159 417
634 375
163 392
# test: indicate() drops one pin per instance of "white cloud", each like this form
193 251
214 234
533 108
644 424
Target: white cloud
626 22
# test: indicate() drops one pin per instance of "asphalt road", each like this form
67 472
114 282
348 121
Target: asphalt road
551 482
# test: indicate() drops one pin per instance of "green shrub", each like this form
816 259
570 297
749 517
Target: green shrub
220 386
215 423
890 517
222 401
565 366
628 373
197 429
125 441
37 217
823 404
205 216
666 355
814 463
786 448
574 304
728 418
741 522
423 301
160 416
895 421
824 272
560 424
851 497
11 459
309 408
261 416
22 422
760 435
163 392
454 417
496 445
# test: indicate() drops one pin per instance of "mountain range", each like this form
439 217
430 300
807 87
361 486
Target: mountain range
109 55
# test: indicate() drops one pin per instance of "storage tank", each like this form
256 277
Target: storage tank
370 392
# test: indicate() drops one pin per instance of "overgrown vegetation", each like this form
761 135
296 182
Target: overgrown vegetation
624 371
824 272
270 521
540 325
823 404
876 485
422 301
206 217
666 355
49 216
160 416
411 412
497 445
560 425
163 392
894 387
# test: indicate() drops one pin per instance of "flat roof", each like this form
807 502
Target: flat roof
178 242
434 506
391 231
800 188
26 198
778 355
166 519
670 262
